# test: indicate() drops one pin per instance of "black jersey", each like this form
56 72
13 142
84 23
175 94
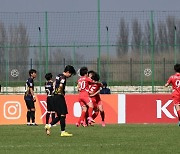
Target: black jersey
29 84
49 87
60 79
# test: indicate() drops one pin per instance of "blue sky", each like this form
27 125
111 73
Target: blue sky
86 5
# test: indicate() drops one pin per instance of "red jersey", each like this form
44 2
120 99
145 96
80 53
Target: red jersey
84 83
174 80
93 89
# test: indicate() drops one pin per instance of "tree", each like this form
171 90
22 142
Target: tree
137 35
19 49
170 22
162 37
3 41
123 38
150 32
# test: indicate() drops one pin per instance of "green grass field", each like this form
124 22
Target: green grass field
124 138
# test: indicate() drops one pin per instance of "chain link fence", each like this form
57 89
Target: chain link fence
127 48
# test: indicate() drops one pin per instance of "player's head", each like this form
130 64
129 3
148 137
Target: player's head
48 76
32 73
69 71
104 84
91 73
83 71
177 68
95 77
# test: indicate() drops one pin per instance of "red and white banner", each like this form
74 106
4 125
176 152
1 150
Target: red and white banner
119 108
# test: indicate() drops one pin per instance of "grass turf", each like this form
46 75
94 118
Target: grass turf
123 138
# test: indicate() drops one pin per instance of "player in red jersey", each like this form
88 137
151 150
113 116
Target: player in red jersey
94 94
174 80
85 101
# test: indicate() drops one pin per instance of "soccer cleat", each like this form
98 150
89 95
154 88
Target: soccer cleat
90 119
77 124
66 134
28 124
47 128
103 124
34 124
83 124
179 123
90 123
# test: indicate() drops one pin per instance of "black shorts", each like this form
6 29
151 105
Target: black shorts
60 105
29 104
50 103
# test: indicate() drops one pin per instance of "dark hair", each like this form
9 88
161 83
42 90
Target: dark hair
177 68
48 76
91 72
95 76
104 83
70 69
31 71
83 71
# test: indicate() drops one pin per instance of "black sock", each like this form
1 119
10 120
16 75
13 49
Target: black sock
102 115
28 116
63 123
33 116
47 117
55 121
53 116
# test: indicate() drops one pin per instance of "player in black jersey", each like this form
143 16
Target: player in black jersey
30 98
50 97
59 100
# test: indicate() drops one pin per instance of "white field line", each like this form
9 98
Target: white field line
59 145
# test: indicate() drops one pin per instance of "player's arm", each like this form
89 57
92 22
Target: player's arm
78 86
54 84
168 82
32 93
94 94
61 88
166 85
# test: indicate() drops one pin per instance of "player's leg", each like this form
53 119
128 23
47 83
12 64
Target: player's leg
95 114
32 106
28 113
53 115
47 117
90 110
176 101
101 109
177 106
62 114
82 117
95 109
51 108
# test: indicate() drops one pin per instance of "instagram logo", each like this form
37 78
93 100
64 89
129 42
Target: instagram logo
12 110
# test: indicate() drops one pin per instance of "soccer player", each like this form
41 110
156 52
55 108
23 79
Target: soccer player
30 98
85 101
174 80
50 99
59 100
94 94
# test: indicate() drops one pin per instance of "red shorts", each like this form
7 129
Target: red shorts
84 99
176 98
96 100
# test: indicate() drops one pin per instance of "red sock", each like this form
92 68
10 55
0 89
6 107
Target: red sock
90 110
178 112
102 115
95 115
82 117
